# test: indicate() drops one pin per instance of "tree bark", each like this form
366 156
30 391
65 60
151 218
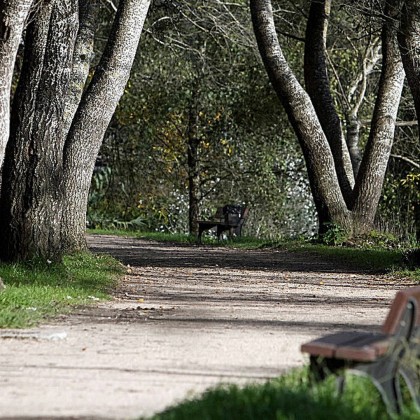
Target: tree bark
93 116
371 176
30 201
82 57
13 16
318 87
409 41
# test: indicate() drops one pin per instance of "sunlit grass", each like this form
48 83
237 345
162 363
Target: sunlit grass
291 396
36 291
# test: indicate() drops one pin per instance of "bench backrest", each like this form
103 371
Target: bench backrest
403 298
235 214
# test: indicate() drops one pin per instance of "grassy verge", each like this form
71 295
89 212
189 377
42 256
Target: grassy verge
288 397
36 291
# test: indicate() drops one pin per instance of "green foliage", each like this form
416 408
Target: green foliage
215 86
333 235
38 290
288 397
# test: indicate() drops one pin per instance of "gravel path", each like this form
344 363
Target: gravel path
183 319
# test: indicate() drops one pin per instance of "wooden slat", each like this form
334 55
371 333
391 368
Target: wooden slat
326 346
364 349
358 346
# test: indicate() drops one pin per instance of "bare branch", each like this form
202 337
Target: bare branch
406 159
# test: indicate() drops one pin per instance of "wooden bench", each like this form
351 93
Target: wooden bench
382 356
228 218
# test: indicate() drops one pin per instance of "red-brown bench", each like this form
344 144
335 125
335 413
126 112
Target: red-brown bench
382 356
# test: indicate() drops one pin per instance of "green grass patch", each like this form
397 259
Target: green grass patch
288 397
38 290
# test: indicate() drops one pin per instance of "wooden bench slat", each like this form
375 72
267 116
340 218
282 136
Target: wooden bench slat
365 349
325 346
349 345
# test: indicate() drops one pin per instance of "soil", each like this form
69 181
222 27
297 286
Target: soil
183 319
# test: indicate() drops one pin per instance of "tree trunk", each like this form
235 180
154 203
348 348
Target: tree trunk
409 41
318 87
316 122
193 169
13 16
30 202
56 131
93 116
372 171
326 191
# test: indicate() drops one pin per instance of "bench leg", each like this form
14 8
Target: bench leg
410 371
320 368
201 229
384 374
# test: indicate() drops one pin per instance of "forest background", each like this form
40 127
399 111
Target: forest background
198 82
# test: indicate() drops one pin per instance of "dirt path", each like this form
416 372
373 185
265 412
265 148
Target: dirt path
183 319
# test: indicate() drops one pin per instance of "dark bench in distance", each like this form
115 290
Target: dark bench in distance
228 218
383 356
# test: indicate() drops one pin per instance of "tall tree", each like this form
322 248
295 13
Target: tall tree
339 198
58 124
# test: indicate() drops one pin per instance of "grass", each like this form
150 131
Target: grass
36 291
288 397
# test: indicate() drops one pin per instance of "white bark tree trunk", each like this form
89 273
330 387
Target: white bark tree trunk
93 116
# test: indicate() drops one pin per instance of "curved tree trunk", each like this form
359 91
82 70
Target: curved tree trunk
318 87
409 41
93 116
13 15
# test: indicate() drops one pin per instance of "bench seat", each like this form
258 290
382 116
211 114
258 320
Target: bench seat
357 346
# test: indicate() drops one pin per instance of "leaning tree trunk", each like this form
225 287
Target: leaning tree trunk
93 116
30 207
409 42
57 126
13 16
